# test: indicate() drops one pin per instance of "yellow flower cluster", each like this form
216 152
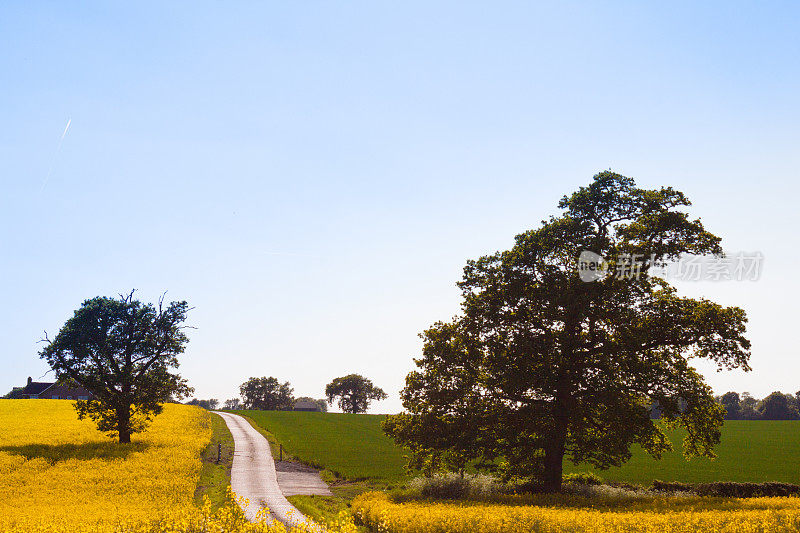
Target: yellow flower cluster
689 514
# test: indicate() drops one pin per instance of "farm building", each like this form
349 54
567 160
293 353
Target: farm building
51 391
307 405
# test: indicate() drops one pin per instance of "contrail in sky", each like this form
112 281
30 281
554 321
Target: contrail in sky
293 254
55 156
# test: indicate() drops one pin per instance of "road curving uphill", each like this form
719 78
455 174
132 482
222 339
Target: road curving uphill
253 474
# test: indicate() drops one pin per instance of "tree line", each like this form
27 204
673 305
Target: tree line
776 406
353 394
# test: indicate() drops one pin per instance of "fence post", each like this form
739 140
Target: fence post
219 452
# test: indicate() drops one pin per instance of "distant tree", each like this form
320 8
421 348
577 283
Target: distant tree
266 394
747 407
15 393
205 404
233 404
355 393
795 400
123 352
777 406
559 357
322 404
730 401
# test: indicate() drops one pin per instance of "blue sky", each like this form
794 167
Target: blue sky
312 176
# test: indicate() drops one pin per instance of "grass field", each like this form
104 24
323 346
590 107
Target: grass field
350 446
754 451
354 447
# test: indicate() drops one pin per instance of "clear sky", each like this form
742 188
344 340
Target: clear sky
312 176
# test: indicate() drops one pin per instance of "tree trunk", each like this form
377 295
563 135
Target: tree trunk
554 448
124 424
553 465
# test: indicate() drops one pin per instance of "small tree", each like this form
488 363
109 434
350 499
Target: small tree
123 352
355 392
266 394
233 404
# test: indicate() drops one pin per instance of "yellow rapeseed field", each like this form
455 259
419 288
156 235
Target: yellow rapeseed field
563 513
60 475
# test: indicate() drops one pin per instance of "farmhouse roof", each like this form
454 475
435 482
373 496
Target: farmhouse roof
305 404
36 387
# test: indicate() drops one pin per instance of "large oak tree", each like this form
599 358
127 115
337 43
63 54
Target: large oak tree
543 365
123 352
355 393
267 394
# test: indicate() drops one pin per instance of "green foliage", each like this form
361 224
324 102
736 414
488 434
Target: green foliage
778 406
355 392
452 486
542 365
327 509
730 401
232 404
350 446
747 407
14 394
123 352
266 393
583 478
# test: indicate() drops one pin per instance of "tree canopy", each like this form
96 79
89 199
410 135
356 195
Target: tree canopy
730 401
778 406
123 352
266 394
543 364
355 393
